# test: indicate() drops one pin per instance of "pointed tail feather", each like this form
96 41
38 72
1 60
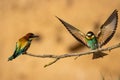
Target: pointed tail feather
98 55
11 58
14 56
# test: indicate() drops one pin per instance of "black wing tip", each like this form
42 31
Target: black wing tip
62 21
67 25
58 18
115 14
115 11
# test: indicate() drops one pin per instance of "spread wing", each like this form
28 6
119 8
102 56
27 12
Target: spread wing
75 32
107 30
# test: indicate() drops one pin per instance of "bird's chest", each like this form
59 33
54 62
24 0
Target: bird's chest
92 43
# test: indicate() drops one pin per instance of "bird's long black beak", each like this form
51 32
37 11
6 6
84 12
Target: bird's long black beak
35 36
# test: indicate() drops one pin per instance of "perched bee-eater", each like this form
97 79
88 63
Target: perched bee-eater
92 41
22 45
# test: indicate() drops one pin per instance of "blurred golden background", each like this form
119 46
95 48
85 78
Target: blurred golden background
18 17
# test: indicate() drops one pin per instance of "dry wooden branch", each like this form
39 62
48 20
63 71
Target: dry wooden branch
58 57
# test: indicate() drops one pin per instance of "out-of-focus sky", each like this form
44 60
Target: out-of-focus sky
18 17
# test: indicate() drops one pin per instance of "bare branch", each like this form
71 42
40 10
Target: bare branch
57 57
52 62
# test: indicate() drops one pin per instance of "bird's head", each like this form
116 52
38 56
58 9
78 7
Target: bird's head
31 36
90 35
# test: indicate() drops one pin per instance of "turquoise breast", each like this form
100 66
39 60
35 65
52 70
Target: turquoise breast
92 43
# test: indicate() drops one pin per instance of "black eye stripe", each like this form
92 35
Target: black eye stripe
31 36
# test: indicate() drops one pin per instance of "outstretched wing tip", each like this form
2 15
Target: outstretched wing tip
115 10
111 26
76 33
60 19
57 17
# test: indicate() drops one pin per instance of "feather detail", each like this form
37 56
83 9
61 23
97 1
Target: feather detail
76 33
107 30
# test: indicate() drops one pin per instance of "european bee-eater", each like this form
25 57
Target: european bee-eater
22 45
92 41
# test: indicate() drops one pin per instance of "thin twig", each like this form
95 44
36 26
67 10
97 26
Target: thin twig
51 62
57 57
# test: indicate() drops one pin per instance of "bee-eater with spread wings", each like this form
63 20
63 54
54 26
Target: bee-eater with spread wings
22 45
92 41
